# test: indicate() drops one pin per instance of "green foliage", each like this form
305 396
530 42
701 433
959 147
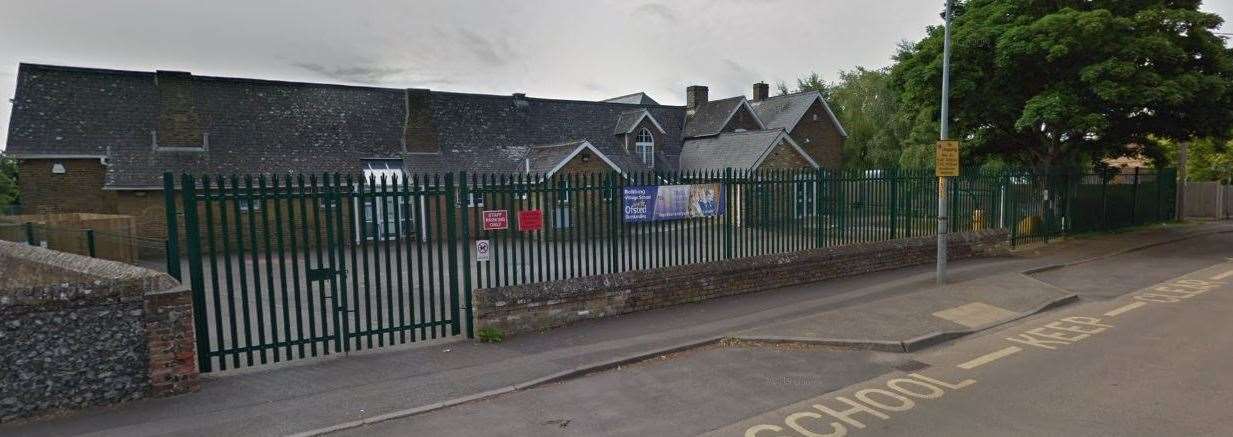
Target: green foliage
490 335
1064 82
868 109
814 82
9 194
1208 160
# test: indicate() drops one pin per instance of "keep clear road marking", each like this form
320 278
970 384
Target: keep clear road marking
817 417
1070 330
990 357
1125 308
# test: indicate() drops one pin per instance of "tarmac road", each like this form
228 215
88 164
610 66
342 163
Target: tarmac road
1152 363
1145 353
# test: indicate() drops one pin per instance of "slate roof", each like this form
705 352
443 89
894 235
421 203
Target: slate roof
542 159
483 132
628 120
738 150
262 126
639 98
784 112
710 117
254 126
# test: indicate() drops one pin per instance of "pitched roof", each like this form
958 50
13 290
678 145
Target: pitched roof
482 132
639 98
739 150
547 159
628 120
711 117
786 111
263 126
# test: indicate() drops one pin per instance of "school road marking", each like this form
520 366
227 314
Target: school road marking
990 357
1125 308
1222 275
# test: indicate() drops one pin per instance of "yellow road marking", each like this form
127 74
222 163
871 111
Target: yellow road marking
1222 275
1125 308
990 357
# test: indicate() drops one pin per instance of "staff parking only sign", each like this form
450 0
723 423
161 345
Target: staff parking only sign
496 220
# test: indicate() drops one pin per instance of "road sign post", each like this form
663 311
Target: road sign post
943 226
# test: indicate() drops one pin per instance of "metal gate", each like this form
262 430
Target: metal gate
285 268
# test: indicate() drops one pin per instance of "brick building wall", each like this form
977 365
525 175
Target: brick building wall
784 157
742 119
78 189
628 140
819 136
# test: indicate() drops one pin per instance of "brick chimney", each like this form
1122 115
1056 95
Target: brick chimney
761 91
179 124
695 96
419 135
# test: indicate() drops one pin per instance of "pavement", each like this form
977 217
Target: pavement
388 388
899 323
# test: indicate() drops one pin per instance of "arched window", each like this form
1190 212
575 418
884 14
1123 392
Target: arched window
644 144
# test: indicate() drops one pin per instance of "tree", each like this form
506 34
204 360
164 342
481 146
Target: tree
868 109
9 194
814 82
1208 160
1064 82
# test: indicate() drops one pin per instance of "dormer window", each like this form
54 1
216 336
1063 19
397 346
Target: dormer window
644 144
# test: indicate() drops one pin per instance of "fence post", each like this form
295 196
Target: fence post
30 234
173 228
894 201
613 183
90 243
451 229
841 223
954 204
1104 201
1072 188
1013 208
466 254
731 212
1156 218
196 278
1134 200
818 235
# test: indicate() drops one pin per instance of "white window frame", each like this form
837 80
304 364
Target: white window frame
475 200
644 148
380 221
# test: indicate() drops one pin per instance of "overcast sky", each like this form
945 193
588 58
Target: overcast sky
561 49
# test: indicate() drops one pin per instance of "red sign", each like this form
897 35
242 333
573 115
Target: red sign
496 220
530 220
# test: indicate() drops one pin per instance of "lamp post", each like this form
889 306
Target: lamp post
943 220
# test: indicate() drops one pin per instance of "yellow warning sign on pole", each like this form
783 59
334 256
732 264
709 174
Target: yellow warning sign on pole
947 159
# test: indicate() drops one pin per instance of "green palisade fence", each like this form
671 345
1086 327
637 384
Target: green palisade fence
292 266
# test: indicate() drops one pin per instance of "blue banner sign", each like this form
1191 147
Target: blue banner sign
673 202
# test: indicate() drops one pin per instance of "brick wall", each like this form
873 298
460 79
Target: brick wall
629 140
819 136
534 307
78 189
742 119
77 332
784 157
